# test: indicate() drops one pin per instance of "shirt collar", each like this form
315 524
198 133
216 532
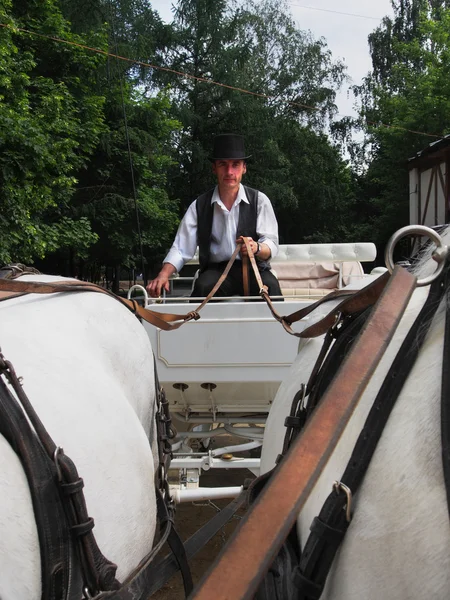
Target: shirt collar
241 197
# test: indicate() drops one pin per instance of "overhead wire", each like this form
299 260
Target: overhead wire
130 156
204 79
336 12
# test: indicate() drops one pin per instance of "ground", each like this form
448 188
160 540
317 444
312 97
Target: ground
191 516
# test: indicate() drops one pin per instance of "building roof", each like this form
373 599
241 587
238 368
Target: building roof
434 152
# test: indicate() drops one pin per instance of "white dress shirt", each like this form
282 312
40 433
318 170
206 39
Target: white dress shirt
224 230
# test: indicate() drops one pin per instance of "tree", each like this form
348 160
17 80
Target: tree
50 121
408 90
121 190
292 82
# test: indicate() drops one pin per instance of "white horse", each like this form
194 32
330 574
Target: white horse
398 544
87 368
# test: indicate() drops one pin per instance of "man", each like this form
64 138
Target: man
216 222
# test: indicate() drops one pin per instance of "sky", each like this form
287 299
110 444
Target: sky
346 35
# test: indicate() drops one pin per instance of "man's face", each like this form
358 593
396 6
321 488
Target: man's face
229 173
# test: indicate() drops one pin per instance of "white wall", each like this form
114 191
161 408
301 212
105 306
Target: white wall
434 213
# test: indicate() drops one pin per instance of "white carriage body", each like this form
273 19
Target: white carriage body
232 360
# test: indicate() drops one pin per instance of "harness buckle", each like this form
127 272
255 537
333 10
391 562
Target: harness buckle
337 321
56 454
337 486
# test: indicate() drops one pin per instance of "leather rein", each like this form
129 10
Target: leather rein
330 526
350 302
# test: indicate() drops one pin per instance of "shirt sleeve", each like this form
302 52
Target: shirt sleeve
266 224
185 243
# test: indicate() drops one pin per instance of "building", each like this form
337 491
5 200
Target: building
429 184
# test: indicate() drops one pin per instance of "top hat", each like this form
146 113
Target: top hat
228 146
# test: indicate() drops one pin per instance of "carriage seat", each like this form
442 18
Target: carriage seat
317 269
314 270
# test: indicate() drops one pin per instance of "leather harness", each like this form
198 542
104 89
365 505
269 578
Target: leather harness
305 576
240 569
167 321
57 494
56 489
329 527
247 557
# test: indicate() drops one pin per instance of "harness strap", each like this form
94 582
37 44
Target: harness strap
47 466
150 576
165 321
248 555
337 344
320 549
14 270
161 572
354 302
221 278
245 275
11 288
177 547
445 397
54 541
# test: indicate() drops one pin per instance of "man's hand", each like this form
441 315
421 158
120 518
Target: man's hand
161 281
264 250
155 287
253 245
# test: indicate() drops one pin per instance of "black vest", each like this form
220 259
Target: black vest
248 214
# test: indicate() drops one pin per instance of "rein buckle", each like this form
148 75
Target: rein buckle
337 486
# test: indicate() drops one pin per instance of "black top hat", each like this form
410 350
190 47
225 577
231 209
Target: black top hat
228 146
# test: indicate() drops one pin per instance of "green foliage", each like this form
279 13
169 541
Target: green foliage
76 178
50 120
123 189
409 89
97 151
309 184
123 192
293 80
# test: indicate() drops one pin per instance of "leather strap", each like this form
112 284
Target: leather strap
245 275
248 555
319 550
38 452
221 279
445 396
14 270
53 532
353 302
162 571
150 576
166 321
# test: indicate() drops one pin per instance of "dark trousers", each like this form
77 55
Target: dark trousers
233 284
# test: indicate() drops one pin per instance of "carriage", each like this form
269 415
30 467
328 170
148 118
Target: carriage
222 372
110 398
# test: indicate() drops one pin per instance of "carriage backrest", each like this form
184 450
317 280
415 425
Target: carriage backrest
317 269
320 268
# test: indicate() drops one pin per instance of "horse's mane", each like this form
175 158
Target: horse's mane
423 264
